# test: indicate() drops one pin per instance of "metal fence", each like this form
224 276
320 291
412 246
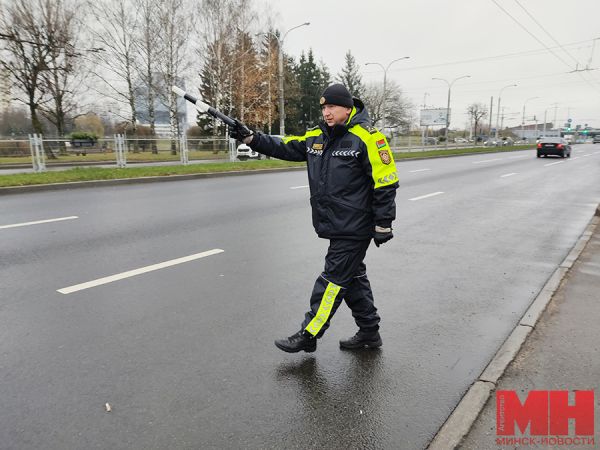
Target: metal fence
41 153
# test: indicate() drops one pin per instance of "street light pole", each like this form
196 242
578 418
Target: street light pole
280 42
385 69
523 118
499 99
448 107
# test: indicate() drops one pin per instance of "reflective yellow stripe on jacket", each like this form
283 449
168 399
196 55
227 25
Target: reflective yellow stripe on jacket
383 174
309 133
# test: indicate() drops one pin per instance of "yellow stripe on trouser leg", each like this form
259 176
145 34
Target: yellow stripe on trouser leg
325 308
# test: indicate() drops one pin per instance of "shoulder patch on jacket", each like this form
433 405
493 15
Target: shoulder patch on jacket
381 160
372 130
385 156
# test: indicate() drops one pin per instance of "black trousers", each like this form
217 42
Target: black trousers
344 278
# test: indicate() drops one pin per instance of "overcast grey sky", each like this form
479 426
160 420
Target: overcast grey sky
448 39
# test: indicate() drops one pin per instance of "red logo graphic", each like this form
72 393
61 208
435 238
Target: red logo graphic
546 413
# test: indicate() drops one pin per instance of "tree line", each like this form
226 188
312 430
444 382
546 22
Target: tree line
116 59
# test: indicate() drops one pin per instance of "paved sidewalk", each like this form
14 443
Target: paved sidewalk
561 353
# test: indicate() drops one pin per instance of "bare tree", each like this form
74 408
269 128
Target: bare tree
268 82
173 61
148 41
477 112
216 53
397 108
60 80
24 53
113 30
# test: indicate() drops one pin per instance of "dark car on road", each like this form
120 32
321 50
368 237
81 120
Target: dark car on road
553 146
596 139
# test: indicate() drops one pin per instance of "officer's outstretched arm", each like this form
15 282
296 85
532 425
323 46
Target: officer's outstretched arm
289 148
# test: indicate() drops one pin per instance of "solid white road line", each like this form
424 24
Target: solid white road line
520 156
299 187
551 164
487 160
425 196
418 170
133 273
508 175
15 225
589 154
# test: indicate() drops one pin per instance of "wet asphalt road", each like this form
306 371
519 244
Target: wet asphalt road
184 354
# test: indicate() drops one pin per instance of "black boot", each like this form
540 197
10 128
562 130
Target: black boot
362 339
297 342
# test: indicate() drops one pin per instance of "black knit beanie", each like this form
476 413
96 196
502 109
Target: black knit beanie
337 94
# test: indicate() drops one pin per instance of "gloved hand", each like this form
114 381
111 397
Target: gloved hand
382 235
240 132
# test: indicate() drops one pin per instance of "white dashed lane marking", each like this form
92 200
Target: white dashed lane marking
133 273
487 160
299 187
37 222
425 196
552 164
508 175
418 170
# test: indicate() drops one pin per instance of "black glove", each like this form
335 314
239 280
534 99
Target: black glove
240 131
382 235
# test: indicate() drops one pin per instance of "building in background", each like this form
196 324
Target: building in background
162 123
533 132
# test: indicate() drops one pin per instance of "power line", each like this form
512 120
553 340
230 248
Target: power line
530 33
483 58
543 44
546 31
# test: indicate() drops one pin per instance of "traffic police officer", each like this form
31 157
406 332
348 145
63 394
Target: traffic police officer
353 182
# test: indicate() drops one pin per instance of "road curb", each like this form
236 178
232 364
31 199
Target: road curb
122 181
460 421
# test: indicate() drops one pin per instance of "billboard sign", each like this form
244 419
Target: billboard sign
431 117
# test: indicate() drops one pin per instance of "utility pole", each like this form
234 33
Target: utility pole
499 98
523 117
491 109
448 108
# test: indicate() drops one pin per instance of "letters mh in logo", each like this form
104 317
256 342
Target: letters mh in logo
547 413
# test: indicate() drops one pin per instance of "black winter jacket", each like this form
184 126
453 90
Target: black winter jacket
351 173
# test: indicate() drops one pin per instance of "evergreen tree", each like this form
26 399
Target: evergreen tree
351 77
312 80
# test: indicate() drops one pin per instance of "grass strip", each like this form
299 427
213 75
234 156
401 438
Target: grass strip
460 151
92 173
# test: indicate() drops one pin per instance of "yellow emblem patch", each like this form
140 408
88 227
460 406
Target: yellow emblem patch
322 101
317 146
385 156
